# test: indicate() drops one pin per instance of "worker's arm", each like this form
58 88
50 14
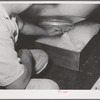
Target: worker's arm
28 28
23 80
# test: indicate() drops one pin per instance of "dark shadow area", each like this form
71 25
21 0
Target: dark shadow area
95 15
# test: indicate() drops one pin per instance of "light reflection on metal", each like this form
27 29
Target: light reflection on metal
59 25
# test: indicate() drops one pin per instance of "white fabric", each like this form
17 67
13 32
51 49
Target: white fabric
10 68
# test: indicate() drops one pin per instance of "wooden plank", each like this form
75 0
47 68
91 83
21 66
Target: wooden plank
61 57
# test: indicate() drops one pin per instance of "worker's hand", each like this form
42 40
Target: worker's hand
26 57
27 28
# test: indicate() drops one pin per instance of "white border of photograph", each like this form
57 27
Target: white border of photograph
50 94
